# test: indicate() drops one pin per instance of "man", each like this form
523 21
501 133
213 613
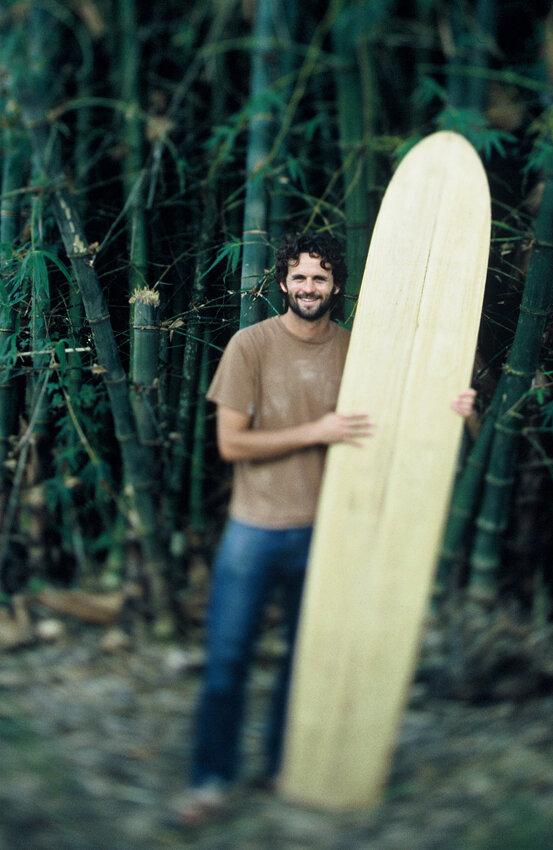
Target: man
275 389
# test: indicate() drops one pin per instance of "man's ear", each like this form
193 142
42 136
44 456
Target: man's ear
282 285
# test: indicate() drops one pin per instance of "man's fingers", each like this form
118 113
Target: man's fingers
357 425
464 402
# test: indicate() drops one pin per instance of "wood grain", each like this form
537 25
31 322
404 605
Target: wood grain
383 507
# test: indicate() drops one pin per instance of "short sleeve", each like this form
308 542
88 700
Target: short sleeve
234 384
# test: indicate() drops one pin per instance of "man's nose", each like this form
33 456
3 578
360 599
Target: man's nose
309 284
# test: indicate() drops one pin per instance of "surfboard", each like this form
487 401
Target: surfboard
383 506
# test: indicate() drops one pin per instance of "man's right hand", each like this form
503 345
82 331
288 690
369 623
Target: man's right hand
238 441
348 428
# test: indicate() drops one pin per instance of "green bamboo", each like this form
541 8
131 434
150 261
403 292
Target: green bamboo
472 40
146 332
133 142
82 154
197 464
463 507
355 128
519 370
40 310
12 180
138 487
456 55
255 236
279 200
483 42
179 454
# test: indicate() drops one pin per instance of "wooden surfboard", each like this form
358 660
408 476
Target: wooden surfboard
383 506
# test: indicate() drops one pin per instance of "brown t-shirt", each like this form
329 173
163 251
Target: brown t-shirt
279 380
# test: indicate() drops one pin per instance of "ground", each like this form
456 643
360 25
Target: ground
94 743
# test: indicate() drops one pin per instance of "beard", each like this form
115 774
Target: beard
310 311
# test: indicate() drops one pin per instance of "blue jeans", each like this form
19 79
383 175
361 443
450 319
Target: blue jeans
250 564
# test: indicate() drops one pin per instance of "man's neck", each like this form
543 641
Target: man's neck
302 328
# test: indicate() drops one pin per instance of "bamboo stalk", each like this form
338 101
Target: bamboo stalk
197 463
175 475
484 37
255 237
519 370
40 309
138 487
75 309
133 141
145 371
279 200
353 133
12 179
463 507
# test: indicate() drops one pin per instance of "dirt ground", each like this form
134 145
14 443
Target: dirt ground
94 743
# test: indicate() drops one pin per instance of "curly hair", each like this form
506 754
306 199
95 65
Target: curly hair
322 245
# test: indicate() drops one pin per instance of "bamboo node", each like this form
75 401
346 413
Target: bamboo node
125 438
518 373
540 313
79 255
497 481
99 319
490 526
460 512
112 381
504 429
38 122
449 555
481 596
475 463
485 564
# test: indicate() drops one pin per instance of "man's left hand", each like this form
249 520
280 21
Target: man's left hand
463 404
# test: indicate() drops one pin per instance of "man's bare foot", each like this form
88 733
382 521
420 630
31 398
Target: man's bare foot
199 805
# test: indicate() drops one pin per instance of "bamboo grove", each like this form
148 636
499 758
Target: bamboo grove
151 156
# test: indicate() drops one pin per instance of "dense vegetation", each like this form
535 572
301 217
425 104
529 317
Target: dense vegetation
151 156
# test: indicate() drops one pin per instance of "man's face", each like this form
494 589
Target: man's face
309 288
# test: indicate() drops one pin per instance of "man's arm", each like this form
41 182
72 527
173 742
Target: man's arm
237 441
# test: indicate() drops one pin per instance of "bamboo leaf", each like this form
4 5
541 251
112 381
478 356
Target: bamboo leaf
61 355
39 274
547 414
475 128
50 255
231 251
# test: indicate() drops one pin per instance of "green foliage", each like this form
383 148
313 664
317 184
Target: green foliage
361 20
476 129
193 124
541 131
466 121
230 253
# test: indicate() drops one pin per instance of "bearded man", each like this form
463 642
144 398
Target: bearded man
276 389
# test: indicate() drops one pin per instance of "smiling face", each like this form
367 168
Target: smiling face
309 288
